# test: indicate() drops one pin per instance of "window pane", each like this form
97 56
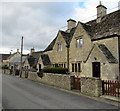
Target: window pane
79 67
75 67
64 66
79 43
59 47
72 67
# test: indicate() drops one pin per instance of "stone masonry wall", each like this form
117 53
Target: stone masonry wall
57 80
5 71
91 86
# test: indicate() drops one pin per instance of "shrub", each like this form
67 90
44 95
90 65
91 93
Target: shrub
57 70
5 67
40 74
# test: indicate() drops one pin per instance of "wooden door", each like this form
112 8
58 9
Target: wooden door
96 69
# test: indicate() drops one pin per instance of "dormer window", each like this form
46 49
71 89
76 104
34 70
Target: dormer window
59 47
79 42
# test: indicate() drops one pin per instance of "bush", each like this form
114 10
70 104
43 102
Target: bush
5 67
57 70
40 74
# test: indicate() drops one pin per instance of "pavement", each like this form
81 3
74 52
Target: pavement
19 93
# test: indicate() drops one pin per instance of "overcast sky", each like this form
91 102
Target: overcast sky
39 22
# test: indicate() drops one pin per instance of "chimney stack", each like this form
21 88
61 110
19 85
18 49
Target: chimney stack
101 11
32 50
17 50
71 24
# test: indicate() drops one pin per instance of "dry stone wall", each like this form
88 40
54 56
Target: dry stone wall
91 86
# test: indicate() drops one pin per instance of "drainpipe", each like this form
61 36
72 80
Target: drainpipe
68 46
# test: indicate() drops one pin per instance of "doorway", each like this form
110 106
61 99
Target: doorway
39 67
96 69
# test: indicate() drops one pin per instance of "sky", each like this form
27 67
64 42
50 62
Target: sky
39 22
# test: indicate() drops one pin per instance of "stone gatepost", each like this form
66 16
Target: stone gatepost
91 86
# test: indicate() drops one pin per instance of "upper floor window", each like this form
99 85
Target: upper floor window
59 47
79 43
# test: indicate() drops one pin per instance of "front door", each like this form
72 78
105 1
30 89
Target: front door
96 69
39 67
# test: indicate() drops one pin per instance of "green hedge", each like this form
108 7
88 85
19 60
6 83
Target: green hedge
57 70
5 67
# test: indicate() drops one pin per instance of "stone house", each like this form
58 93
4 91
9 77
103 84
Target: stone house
35 61
89 49
16 62
58 50
11 58
3 58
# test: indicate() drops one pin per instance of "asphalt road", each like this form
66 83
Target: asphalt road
20 93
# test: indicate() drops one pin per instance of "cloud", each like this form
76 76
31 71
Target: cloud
88 10
39 22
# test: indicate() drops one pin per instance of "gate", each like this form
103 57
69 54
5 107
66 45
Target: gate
76 83
111 88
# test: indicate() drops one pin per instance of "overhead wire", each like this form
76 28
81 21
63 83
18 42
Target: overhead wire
56 29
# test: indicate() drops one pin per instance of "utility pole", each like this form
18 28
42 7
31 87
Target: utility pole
21 57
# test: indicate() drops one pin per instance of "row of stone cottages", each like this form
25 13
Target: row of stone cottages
87 49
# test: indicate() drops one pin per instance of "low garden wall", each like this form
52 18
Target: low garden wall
57 80
5 71
91 86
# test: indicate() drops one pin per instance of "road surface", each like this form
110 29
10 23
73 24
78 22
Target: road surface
25 94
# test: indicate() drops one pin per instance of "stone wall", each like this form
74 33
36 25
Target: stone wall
57 80
91 86
5 71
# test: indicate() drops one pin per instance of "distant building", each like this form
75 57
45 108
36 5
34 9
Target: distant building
36 61
3 58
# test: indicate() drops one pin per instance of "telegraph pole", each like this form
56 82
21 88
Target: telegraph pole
21 57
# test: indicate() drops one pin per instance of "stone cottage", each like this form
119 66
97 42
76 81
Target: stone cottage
35 61
89 49
11 58
3 58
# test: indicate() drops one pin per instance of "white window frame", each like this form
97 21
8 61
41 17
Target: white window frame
59 47
79 43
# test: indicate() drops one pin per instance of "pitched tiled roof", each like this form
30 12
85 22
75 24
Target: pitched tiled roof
13 55
34 57
4 56
17 59
107 53
50 46
67 37
45 59
109 25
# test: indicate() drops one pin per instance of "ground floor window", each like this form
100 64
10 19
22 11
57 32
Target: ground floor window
63 65
76 67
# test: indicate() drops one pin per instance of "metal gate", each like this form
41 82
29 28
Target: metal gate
76 83
111 88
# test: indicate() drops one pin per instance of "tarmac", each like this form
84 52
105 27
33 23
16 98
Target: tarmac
104 98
